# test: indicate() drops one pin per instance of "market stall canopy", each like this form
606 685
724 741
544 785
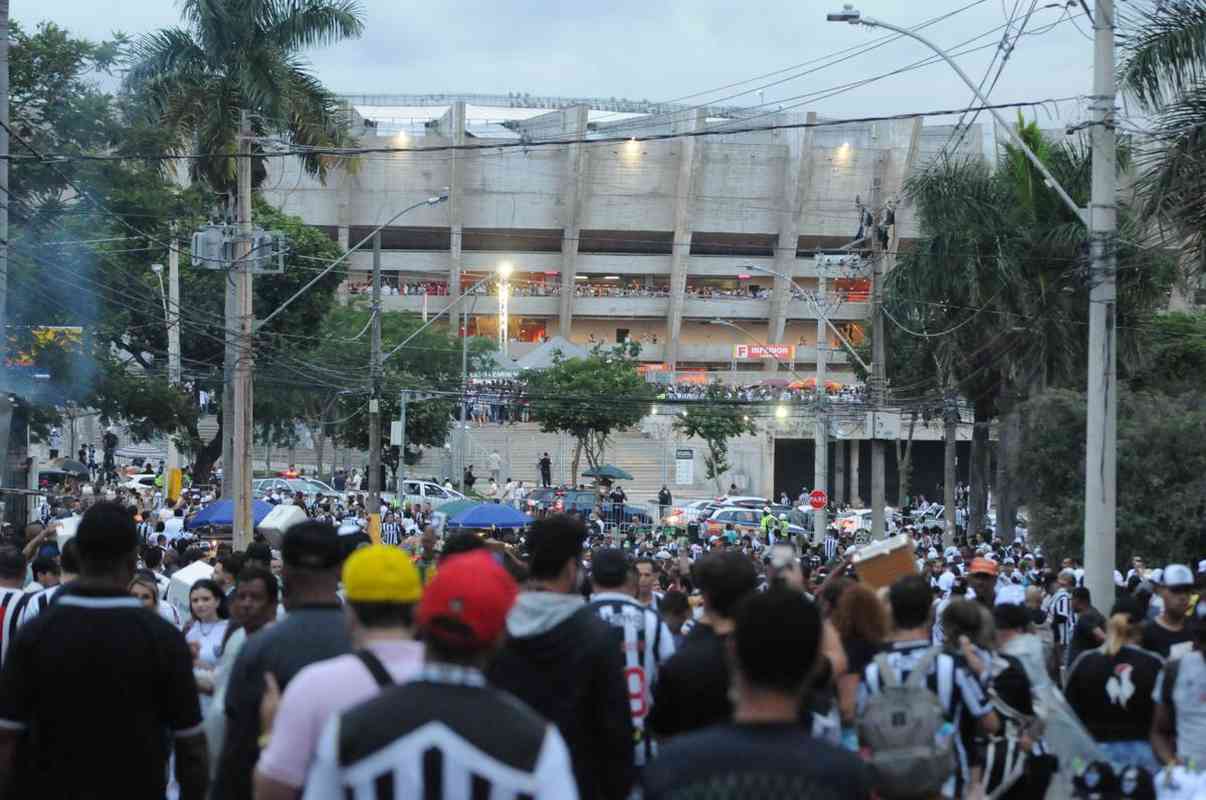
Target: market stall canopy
489 515
221 512
608 472
542 356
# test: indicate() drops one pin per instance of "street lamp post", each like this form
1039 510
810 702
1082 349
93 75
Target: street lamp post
504 312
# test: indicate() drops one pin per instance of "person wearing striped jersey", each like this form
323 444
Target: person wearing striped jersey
647 639
950 677
12 575
33 604
391 530
1063 616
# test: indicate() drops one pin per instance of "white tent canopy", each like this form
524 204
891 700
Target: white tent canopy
542 356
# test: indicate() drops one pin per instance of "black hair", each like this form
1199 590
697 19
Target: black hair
1082 593
552 542
152 556
610 568
232 563
254 573
106 537
40 565
725 578
69 559
12 564
461 542
383 615
910 598
772 623
213 588
313 545
451 641
674 602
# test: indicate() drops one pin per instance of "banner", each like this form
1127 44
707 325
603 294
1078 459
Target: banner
757 352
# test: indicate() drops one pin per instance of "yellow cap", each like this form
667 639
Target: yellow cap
381 573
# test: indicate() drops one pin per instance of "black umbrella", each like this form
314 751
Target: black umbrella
72 466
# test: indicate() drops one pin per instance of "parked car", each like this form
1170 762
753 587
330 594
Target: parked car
427 492
540 499
143 483
746 521
694 511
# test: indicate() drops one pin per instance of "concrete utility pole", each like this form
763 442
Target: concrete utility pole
878 372
820 464
241 466
374 508
6 407
173 334
403 396
1101 448
231 333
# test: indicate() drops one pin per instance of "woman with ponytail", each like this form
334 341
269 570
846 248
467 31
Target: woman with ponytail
1110 688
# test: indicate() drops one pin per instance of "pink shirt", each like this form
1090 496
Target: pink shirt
320 691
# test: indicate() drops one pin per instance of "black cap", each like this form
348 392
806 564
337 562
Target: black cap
609 567
312 545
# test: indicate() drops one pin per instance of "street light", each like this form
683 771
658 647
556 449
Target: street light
853 16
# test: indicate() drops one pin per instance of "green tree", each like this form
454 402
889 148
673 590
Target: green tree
1161 474
590 398
715 418
1163 71
243 55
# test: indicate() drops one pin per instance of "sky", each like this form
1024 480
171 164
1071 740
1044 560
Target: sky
668 49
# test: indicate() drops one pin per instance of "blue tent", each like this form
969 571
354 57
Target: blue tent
488 515
221 512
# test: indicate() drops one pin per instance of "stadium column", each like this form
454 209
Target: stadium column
573 194
455 121
796 187
684 190
839 472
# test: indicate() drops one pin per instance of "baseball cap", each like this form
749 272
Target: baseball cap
1177 575
983 565
381 574
467 601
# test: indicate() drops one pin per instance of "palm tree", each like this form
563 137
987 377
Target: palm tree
999 282
242 55
1163 70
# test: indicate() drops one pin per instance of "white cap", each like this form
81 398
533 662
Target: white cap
1011 593
1156 576
946 581
1177 575
1202 566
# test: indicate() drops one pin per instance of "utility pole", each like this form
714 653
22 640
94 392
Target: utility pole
878 357
821 436
374 482
173 332
6 406
1101 447
241 472
403 396
231 333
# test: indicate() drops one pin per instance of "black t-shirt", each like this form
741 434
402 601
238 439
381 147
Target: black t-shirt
859 653
692 690
775 761
1112 695
99 686
1161 640
1082 632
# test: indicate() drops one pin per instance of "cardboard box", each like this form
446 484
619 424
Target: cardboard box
883 563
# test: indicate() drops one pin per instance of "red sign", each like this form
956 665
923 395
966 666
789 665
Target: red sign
818 499
745 352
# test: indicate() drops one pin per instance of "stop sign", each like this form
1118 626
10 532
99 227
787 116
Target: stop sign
818 499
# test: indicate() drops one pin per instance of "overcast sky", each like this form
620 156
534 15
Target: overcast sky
660 50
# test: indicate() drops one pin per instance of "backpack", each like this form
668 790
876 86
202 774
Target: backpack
905 728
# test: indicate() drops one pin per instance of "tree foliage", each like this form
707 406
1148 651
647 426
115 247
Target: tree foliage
590 398
715 418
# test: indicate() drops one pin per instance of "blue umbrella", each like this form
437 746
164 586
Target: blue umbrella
489 515
221 512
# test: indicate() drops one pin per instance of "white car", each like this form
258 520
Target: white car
695 511
427 492
143 484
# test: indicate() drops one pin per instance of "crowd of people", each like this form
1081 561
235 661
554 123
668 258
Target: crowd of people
765 391
578 659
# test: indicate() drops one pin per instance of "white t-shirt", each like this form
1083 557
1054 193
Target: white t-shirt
1190 712
209 635
173 529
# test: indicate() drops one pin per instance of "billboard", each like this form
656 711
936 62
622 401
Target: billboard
748 352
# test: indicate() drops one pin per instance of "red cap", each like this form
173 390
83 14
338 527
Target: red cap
984 565
472 592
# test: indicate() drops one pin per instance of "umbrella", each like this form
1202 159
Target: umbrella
488 515
72 466
221 512
609 472
450 510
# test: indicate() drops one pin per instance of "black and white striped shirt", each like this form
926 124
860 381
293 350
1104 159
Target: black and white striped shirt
9 599
831 548
391 533
1065 617
647 643
443 734
950 679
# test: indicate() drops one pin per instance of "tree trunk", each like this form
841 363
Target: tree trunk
573 478
1006 448
950 475
977 506
320 446
904 464
206 454
268 454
